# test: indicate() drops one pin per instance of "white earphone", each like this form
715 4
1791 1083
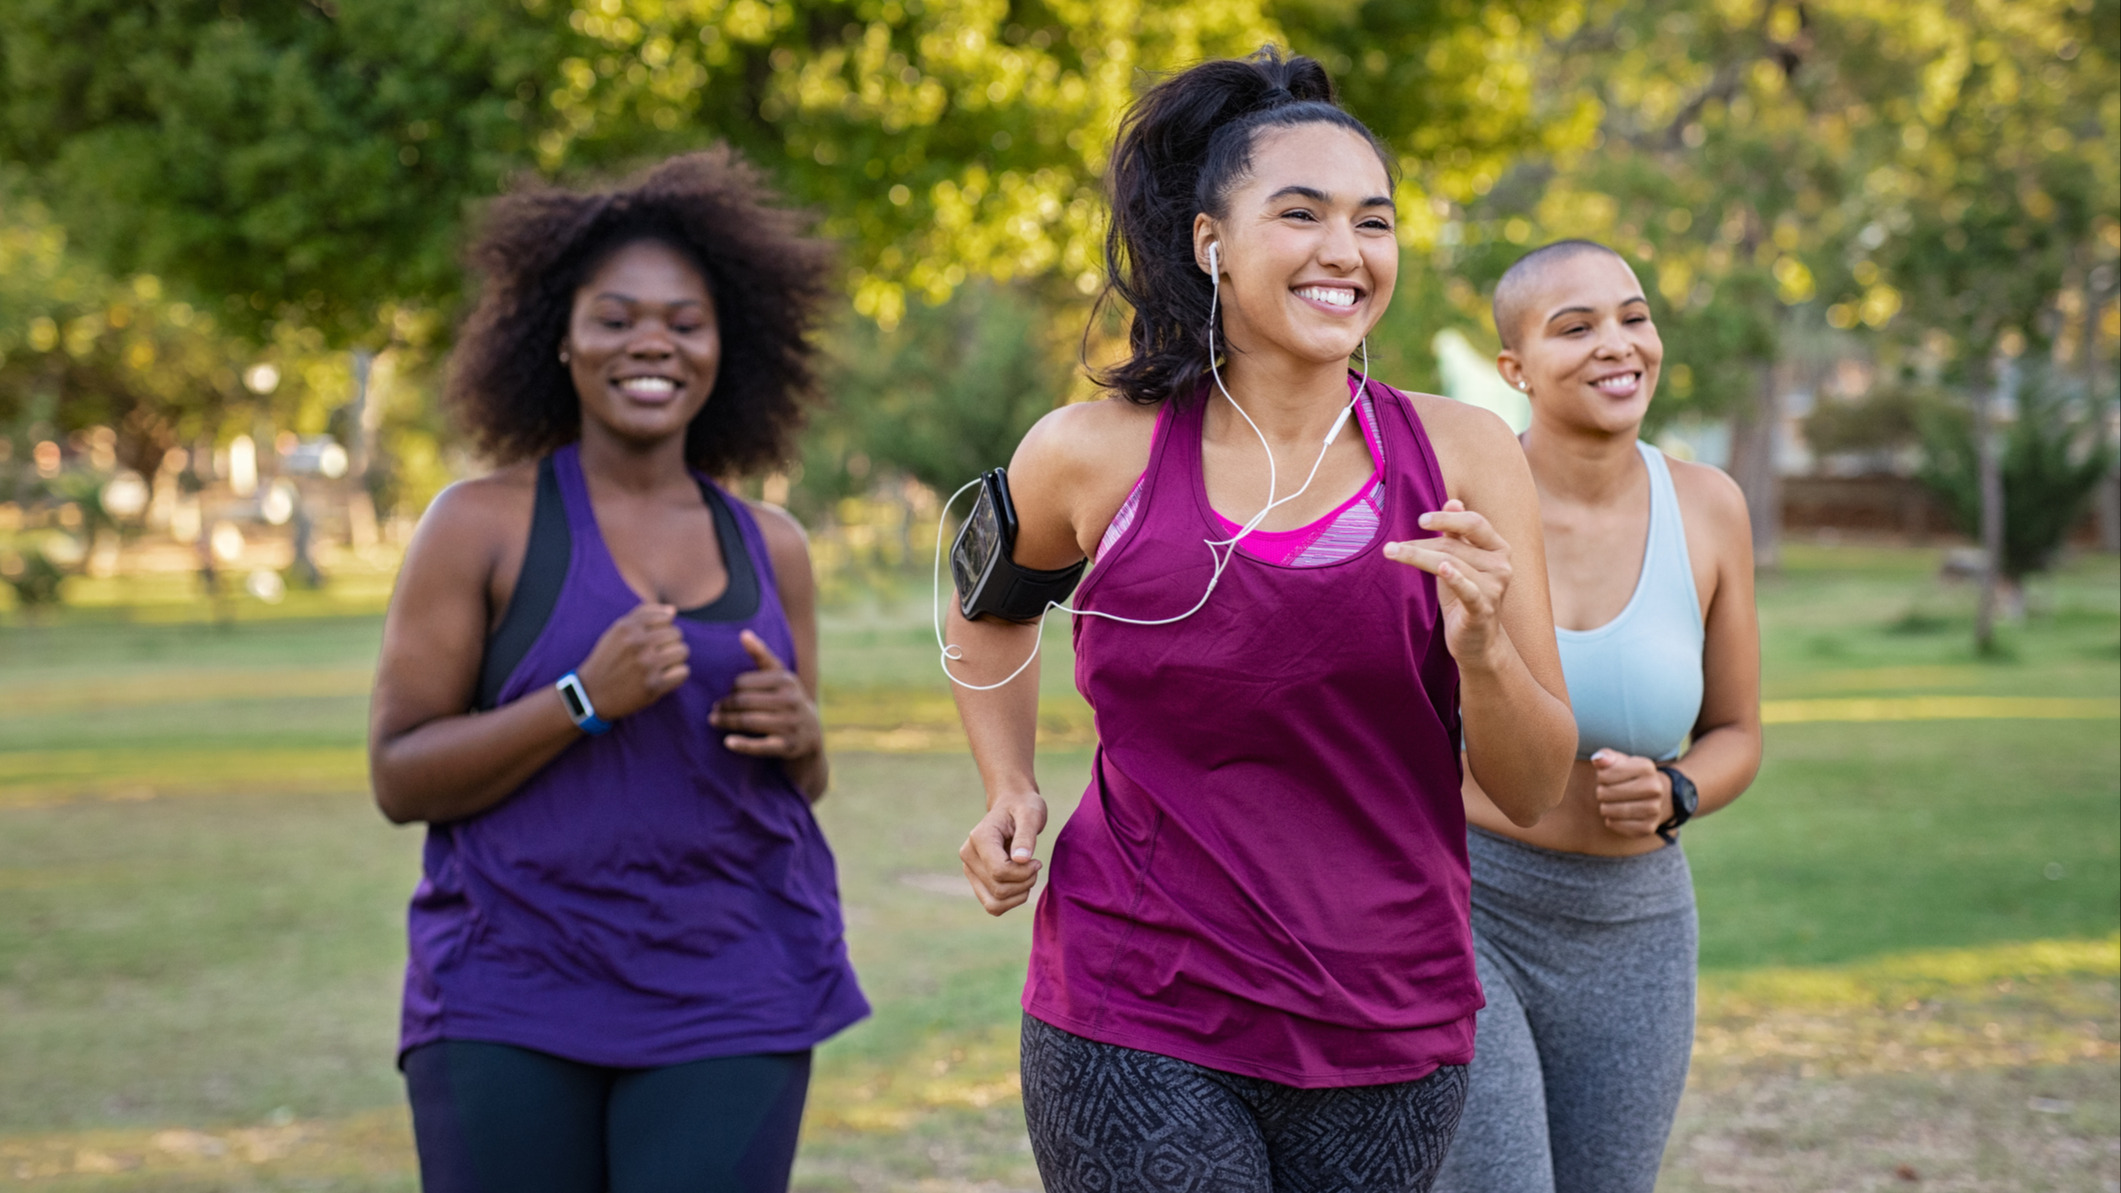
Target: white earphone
1228 546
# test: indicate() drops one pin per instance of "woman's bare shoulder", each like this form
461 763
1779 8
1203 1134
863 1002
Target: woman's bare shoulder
1473 446
1449 416
1707 491
484 504
468 546
1071 473
783 533
1088 434
1105 441
471 523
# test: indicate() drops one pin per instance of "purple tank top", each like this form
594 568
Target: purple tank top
1267 874
648 898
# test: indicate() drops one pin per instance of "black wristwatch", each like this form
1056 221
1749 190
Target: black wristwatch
1685 801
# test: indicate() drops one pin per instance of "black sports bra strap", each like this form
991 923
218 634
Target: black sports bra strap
537 592
544 573
740 599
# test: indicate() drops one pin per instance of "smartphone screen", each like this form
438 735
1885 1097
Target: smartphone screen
977 544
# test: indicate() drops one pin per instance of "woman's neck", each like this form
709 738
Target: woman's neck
1291 401
632 465
1581 465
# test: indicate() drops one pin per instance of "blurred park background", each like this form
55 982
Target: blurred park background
1884 243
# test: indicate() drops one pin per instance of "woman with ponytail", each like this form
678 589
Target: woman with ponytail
1253 970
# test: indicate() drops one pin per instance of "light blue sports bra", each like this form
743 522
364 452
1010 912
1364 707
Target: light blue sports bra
1635 682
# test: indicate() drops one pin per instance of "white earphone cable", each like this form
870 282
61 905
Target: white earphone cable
1228 547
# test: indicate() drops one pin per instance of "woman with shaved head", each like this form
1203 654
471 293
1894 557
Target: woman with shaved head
1583 923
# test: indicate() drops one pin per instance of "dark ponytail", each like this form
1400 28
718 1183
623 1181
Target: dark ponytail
1182 147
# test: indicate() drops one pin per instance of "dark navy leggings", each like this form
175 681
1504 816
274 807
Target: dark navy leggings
491 1118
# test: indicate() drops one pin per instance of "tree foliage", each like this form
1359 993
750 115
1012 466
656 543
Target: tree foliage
79 348
950 391
1896 167
1995 202
281 161
314 161
2054 455
237 177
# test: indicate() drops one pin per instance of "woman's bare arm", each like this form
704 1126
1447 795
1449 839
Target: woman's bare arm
773 711
1520 736
429 757
1067 480
1725 754
1634 794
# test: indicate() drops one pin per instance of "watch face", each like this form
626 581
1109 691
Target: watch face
1684 796
573 696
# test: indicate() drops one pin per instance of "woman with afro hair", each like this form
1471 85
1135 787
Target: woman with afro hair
598 689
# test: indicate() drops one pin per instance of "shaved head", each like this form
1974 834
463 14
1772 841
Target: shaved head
1521 281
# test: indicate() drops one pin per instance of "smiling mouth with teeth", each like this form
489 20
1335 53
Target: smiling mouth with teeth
648 387
1619 382
1330 295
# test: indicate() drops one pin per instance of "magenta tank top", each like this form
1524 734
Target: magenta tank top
1267 875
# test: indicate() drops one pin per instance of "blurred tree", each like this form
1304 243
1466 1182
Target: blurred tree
302 172
1771 166
1996 234
313 161
949 392
278 161
1452 85
2051 458
1879 424
1722 170
79 349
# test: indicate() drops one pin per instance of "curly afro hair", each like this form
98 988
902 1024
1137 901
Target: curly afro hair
537 246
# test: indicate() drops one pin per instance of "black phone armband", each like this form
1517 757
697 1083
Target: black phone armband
989 582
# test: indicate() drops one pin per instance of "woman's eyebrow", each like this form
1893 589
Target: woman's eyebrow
630 299
1319 196
1582 310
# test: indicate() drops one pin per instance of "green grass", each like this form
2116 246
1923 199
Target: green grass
201 914
198 961
1866 839
1850 621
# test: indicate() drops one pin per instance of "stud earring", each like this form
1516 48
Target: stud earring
564 358
1524 387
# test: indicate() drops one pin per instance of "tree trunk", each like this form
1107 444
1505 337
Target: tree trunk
1988 461
363 418
2106 501
2109 506
1756 433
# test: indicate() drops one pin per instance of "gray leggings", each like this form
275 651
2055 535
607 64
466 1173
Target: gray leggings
1588 966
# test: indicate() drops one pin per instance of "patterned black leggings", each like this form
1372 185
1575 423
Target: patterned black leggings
1106 1119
